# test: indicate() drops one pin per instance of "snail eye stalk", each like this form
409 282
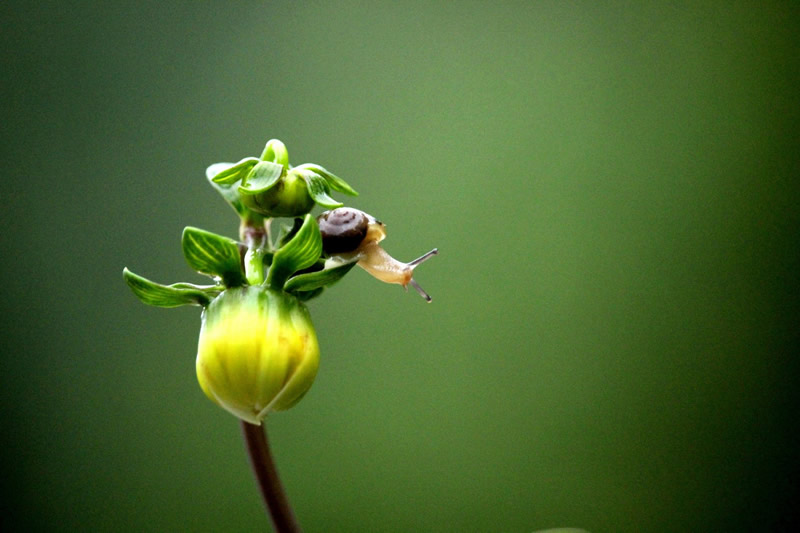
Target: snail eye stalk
416 262
420 290
423 258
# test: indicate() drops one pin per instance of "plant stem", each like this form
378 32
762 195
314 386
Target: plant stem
266 474
254 266
256 238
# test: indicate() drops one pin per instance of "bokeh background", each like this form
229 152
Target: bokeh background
613 189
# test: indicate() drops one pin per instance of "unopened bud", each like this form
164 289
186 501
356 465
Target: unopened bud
257 353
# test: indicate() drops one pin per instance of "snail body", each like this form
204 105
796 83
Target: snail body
349 234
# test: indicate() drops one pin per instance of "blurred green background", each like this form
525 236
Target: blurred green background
613 190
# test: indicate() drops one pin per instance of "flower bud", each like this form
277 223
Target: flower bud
258 352
289 197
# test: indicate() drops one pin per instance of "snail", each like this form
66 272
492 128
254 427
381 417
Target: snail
349 234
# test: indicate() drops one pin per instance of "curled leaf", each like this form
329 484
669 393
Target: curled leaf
227 191
300 252
276 152
334 182
235 172
261 178
319 279
318 189
213 255
175 295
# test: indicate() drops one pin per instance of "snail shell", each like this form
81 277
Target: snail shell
345 229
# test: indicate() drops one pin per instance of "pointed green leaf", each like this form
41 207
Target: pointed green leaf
301 252
214 255
334 182
234 172
159 295
318 279
318 189
261 178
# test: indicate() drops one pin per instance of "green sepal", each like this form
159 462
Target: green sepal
213 255
334 182
235 172
174 295
276 152
319 279
261 178
300 252
318 189
228 192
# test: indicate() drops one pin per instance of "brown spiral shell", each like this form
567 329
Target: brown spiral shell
342 229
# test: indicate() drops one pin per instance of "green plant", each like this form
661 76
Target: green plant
258 350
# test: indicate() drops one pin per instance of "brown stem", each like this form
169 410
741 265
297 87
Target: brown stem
267 475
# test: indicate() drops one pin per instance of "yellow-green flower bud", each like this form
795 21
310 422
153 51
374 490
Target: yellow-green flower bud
289 197
257 353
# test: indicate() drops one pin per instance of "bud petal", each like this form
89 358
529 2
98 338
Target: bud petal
258 352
